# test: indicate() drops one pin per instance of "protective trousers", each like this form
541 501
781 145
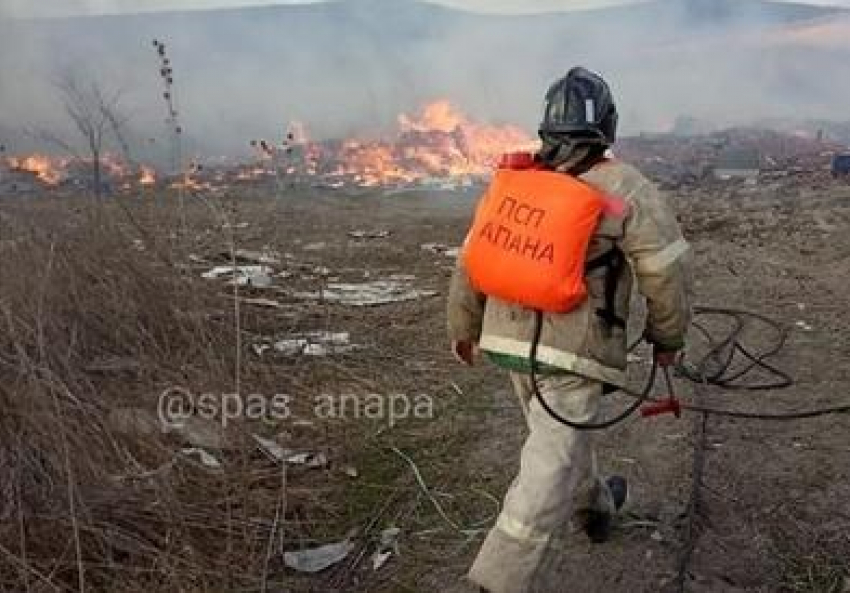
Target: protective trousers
557 481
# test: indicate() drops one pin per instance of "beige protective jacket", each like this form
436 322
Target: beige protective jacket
641 224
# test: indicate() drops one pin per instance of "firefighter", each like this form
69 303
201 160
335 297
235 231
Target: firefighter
577 354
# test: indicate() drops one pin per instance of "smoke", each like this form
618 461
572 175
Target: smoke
348 68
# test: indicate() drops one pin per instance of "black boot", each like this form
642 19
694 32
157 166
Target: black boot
597 524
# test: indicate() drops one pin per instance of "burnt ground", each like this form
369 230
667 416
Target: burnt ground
773 513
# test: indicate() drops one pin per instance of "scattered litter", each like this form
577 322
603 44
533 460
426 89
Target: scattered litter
254 276
308 459
319 246
257 257
260 279
379 559
369 234
271 448
804 326
656 536
350 471
318 559
441 249
138 245
197 259
206 458
387 546
395 289
278 453
317 343
238 225
269 303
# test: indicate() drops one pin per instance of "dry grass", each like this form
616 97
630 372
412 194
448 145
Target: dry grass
100 311
812 559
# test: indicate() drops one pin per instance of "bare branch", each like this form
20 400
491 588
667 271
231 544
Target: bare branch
48 137
94 112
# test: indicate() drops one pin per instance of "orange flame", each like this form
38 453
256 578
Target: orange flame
51 171
46 170
439 116
147 176
440 142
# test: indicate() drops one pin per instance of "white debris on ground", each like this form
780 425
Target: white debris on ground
317 246
363 235
253 276
440 249
387 546
395 289
308 459
206 459
265 256
316 343
267 303
318 559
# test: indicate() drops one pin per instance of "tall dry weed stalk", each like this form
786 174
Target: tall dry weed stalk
92 322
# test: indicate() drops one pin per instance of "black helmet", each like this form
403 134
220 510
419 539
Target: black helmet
579 107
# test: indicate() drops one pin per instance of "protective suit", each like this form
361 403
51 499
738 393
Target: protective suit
578 353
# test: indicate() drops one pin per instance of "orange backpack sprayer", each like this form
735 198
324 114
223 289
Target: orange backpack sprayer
528 245
529 238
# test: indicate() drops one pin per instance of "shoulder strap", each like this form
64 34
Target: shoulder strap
615 262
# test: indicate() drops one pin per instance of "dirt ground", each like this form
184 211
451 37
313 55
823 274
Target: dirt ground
773 513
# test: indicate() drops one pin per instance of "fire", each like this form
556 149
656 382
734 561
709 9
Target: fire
147 176
439 142
436 143
439 116
53 171
46 170
114 167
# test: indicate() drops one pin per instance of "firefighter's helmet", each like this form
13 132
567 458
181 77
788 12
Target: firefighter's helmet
580 108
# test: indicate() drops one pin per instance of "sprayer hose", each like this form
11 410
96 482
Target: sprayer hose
720 356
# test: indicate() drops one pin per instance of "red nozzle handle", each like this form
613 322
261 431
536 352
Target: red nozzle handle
668 405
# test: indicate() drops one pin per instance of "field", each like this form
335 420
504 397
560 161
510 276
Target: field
104 307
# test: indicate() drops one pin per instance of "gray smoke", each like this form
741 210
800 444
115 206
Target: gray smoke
348 68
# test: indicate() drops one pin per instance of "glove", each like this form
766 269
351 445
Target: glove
464 351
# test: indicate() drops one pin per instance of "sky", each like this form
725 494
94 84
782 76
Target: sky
30 8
